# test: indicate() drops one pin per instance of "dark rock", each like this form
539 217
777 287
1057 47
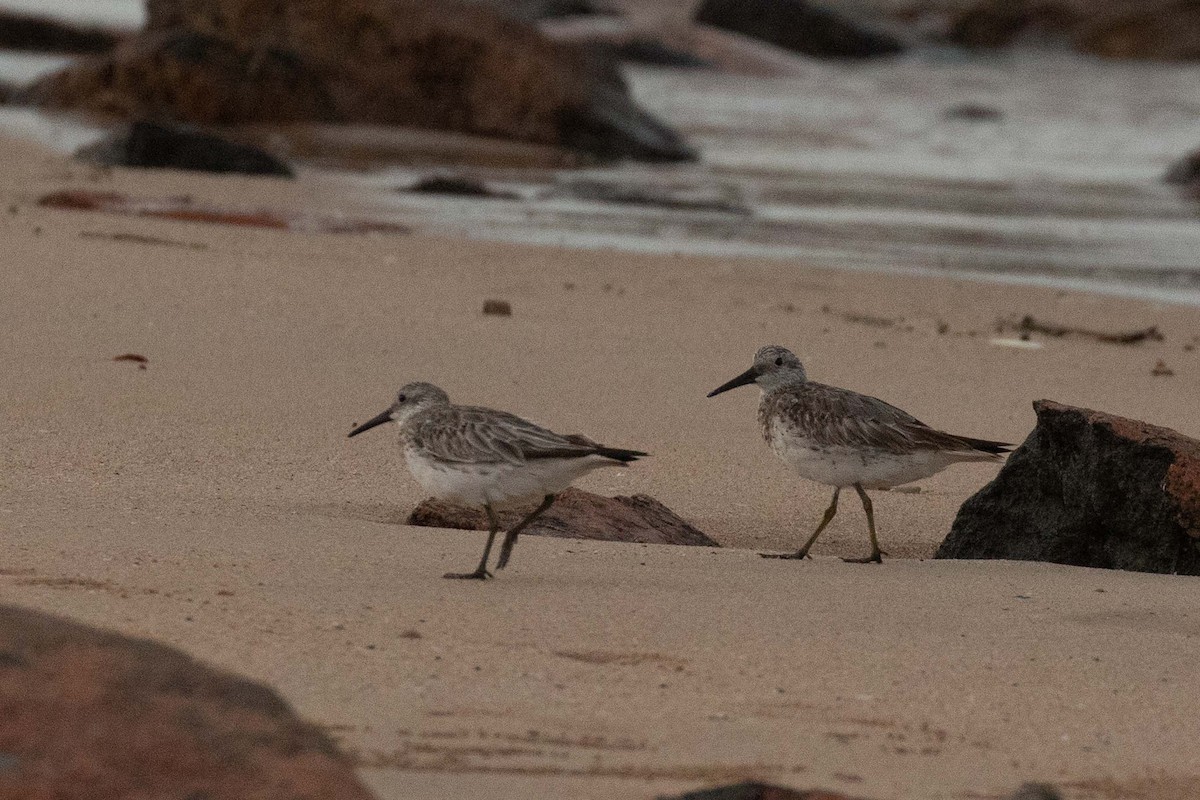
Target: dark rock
798 26
1036 791
1089 489
1185 171
459 186
577 515
1167 30
497 308
723 198
416 63
546 9
758 791
87 714
44 35
171 146
974 112
653 52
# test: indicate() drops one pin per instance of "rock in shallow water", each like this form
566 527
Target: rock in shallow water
165 146
577 515
797 25
87 714
1089 489
415 63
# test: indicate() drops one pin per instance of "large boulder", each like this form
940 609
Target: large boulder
1089 489
87 714
797 25
577 514
417 63
1161 29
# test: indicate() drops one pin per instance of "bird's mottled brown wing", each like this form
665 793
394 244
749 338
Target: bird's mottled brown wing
465 434
833 417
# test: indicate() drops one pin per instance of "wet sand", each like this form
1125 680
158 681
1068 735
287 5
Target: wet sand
212 500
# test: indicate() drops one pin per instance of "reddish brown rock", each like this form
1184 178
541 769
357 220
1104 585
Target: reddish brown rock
417 63
1089 489
87 714
1142 29
185 209
577 515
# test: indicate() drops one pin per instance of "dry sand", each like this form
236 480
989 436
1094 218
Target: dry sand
213 501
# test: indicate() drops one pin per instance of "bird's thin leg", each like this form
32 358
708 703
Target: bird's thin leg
481 572
803 551
876 556
510 538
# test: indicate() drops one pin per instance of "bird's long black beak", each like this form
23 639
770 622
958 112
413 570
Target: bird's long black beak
746 378
379 419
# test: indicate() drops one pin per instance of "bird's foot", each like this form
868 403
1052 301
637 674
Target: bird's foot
874 558
477 575
800 554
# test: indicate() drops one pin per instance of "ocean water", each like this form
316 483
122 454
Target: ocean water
861 166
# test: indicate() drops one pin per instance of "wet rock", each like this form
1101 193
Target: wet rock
799 26
415 63
577 515
459 186
158 723
973 112
188 77
171 146
1185 171
1111 28
546 9
653 52
758 791
1089 489
686 197
45 35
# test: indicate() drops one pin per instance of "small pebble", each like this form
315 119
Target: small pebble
497 308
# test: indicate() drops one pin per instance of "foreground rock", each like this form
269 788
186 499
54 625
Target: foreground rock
1167 30
578 515
798 26
1089 489
165 146
414 63
87 714
759 791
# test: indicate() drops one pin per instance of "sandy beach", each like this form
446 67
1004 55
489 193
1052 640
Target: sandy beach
213 501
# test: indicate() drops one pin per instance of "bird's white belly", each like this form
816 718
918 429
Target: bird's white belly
498 484
846 466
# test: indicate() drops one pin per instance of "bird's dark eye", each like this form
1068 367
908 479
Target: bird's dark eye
401 398
779 361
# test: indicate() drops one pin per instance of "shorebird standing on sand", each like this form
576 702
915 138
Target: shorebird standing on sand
842 438
482 458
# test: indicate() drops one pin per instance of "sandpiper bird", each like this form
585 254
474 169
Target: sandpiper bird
482 458
842 438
